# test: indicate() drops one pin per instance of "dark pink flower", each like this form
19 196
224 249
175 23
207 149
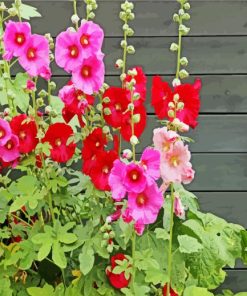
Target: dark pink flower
10 151
5 132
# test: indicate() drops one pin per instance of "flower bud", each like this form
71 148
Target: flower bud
130 49
187 6
119 64
123 43
174 47
48 109
125 27
134 140
136 118
176 98
130 32
91 15
186 17
106 129
176 17
181 12
127 153
171 113
107 111
109 248
123 77
106 236
53 85
6 112
184 61
183 74
75 19
106 100
99 107
136 96
131 16
131 107
183 29
176 82
132 72
40 102
2 7
43 93
180 106
171 105
12 11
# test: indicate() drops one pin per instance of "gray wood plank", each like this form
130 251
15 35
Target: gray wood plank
219 94
215 133
205 53
153 18
236 281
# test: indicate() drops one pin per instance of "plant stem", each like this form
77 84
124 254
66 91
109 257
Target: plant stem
133 261
179 47
170 242
124 53
75 12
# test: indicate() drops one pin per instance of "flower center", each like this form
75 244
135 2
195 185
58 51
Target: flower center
105 170
9 144
58 142
174 160
84 40
86 71
74 52
22 135
97 144
166 146
118 107
2 133
20 38
141 199
31 53
134 175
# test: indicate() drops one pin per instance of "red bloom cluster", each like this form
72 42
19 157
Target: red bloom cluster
188 94
97 163
117 101
118 281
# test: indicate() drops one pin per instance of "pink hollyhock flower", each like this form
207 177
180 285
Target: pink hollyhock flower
188 174
10 151
178 207
30 85
90 38
145 205
126 215
150 160
139 227
116 180
15 38
5 132
35 56
68 51
116 215
89 76
175 163
164 139
45 72
135 179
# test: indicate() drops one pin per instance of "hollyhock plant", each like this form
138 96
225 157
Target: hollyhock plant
101 170
57 136
15 38
10 151
88 76
118 281
164 139
118 104
90 36
35 56
178 206
68 53
135 179
5 132
26 130
175 163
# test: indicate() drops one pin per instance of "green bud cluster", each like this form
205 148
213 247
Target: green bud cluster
108 234
179 18
175 106
91 6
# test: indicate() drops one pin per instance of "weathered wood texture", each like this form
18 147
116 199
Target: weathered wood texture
217 51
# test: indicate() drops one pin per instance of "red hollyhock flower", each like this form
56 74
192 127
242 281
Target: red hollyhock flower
118 105
118 281
139 127
172 292
189 94
161 97
141 81
26 130
94 143
100 172
57 136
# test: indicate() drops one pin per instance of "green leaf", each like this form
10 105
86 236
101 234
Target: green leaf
21 97
161 234
58 255
156 276
195 291
44 251
57 106
188 199
28 11
86 259
188 244
47 290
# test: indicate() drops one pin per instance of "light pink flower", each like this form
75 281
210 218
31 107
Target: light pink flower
135 179
30 85
115 180
90 38
10 151
188 174
150 160
175 163
5 132
178 207
89 75
15 38
68 53
164 139
145 206
35 56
